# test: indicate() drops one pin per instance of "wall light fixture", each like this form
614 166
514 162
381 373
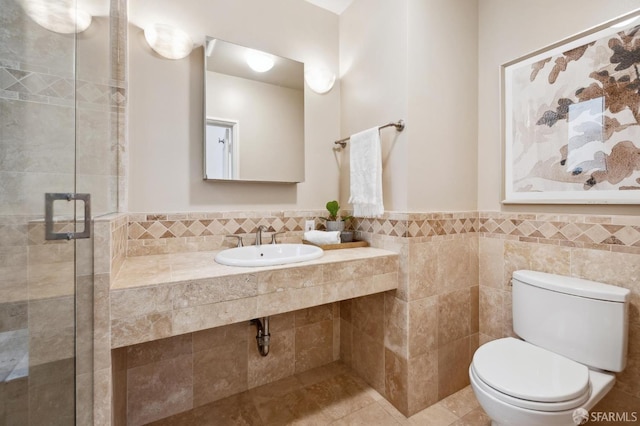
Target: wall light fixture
60 16
168 41
320 80
259 61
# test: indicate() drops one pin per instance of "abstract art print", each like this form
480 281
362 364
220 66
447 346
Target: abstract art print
571 117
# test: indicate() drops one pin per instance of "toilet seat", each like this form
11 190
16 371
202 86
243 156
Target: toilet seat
527 376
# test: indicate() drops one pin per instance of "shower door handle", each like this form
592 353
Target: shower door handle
49 198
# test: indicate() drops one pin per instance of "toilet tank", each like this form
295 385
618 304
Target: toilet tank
583 320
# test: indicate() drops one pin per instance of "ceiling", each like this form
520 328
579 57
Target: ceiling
335 6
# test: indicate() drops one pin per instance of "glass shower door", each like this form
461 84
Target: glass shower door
54 130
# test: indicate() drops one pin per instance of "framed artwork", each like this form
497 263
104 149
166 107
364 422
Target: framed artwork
571 119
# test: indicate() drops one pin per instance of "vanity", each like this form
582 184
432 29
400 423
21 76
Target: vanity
160 296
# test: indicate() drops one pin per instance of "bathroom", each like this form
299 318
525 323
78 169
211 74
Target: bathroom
100 112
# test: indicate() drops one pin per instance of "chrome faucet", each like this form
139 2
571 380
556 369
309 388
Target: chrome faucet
259 234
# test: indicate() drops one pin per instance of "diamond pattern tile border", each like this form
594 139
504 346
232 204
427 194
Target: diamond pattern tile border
573 230
37 86
577 230
620 233
163 226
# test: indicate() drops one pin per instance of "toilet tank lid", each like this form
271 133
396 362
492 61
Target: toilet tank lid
572 285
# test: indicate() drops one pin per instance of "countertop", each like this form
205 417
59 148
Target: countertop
160 296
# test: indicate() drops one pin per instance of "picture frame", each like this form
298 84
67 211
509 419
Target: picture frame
571 119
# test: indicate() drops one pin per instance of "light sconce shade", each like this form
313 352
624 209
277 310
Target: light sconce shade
259 61
60 17
168 41
320 80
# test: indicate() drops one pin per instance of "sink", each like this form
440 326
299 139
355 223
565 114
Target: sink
268 254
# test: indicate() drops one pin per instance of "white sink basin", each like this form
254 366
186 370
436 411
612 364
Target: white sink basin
268 254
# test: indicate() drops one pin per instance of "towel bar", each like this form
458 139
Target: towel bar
399 127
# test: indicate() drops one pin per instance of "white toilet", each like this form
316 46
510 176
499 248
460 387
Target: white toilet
575 335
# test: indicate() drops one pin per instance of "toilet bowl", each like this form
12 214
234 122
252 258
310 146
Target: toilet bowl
520 384
574 337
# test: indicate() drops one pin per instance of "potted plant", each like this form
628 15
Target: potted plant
335 222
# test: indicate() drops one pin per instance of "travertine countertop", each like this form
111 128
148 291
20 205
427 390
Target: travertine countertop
159 296
141 271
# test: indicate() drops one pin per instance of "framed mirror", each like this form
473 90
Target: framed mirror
254 115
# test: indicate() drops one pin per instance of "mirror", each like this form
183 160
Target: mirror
254 115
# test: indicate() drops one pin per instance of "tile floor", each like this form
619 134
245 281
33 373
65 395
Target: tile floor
328 395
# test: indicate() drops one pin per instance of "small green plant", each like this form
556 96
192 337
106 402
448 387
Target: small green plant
334 208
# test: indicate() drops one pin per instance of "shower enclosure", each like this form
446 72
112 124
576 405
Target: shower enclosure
59 120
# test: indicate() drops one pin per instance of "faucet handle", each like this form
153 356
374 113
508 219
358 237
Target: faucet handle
239 237
273 236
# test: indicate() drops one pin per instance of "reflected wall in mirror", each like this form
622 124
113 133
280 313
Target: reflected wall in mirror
254 115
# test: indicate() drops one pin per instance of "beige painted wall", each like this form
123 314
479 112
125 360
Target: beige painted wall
402 60
397 60
270 125
442 91
508 30
166 102
373 70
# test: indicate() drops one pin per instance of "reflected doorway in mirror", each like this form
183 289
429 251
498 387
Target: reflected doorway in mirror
221 148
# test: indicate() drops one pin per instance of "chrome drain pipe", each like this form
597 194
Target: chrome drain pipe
263 337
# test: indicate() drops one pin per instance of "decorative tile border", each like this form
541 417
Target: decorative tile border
614 233
182 232
33 84
416 225
160 226
166 233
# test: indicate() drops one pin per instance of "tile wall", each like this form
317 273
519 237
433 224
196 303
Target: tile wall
453 292
169 376
184 232
117 236
414 345
37 323
599 248
110 235
310 336
63 107
39 156
424 333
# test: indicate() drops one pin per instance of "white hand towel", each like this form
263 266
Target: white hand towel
366 174
322 237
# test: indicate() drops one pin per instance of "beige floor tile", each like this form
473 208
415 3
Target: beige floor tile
234 410
615 403
182 419
476 417
319 374
339 396
276 389
292 408
372 414
395 413
436 415
328 395
461 402
367 388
